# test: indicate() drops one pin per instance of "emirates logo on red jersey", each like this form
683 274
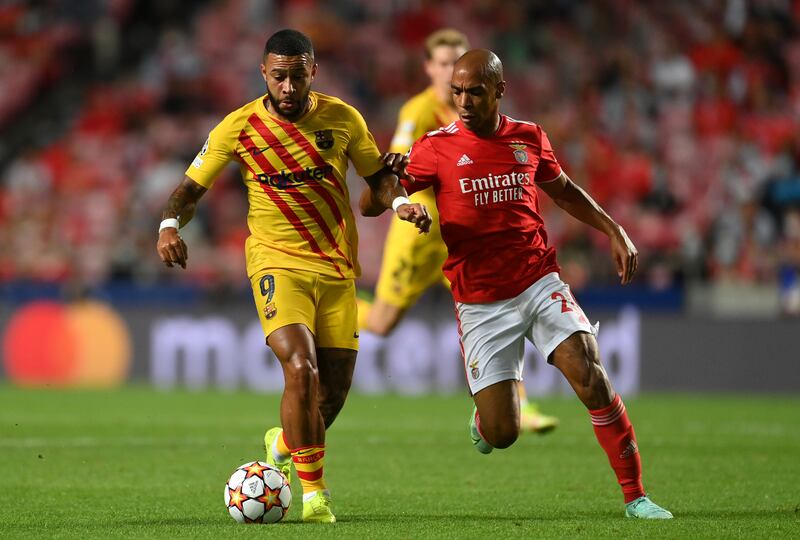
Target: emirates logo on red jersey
496 188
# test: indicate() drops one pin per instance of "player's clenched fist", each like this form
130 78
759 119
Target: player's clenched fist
417 214
171 248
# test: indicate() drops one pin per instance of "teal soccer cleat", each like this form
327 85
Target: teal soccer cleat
477 441
644 508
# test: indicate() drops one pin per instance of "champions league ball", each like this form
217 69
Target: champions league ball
257 493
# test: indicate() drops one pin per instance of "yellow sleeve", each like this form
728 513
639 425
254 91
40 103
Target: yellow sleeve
215 154
406 129
362 149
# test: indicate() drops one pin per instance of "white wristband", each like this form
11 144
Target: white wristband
168 223
398 201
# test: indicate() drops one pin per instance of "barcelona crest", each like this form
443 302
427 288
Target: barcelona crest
519 153
270 310
324 140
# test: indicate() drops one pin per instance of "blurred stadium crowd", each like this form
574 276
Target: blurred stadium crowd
681 118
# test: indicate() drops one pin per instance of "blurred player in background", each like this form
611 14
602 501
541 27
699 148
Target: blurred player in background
412 263
292 146
484 170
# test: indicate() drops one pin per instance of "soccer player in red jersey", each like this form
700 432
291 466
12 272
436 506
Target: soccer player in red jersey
484 170
412 263
293 147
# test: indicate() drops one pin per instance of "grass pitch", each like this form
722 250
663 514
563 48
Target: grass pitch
139 463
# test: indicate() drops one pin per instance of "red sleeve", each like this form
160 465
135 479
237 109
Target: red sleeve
548 168
422 166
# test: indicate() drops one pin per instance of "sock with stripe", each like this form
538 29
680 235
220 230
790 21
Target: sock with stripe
280 450
308 463
615 434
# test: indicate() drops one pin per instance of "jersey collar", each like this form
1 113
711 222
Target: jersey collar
501 126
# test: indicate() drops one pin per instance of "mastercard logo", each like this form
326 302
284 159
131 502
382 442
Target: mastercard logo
86 344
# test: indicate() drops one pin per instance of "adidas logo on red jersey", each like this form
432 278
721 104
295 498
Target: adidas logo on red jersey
463 160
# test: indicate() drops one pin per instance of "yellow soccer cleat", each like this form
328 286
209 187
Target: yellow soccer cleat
284 466
318 509
530 419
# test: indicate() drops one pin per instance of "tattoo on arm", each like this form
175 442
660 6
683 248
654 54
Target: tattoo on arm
183 201
385 187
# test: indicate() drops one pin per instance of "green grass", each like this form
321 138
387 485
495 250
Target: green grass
140 463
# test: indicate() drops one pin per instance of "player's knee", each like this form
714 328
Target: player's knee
381 326
380 331
383 318
300 373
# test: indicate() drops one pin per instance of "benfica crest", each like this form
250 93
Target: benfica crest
519 153
474 371
324 140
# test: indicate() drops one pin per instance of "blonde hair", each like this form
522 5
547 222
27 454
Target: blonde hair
446 36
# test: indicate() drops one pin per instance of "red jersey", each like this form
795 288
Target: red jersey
488 205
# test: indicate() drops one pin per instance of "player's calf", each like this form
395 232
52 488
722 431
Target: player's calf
578 359
499 413
500 435
335 367
495 431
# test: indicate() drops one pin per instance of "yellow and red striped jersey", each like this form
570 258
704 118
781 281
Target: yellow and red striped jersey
419 115
300 215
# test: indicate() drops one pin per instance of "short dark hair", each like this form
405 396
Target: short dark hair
289 42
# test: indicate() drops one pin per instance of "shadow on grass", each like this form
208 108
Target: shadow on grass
517 519
753 514
733 514
118 525
396 519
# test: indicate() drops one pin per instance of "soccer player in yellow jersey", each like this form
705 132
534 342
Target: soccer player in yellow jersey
412 263
292 146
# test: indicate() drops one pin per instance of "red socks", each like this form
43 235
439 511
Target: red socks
615 434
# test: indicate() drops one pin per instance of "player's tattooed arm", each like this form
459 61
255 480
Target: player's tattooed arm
181 205
579 204
384 188
183 201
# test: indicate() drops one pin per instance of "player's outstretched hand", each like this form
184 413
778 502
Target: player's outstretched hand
398 163
171 248
625 254
417 214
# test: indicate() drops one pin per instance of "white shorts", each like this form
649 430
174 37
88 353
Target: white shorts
492 335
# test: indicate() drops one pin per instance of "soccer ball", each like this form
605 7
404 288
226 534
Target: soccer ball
257 493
